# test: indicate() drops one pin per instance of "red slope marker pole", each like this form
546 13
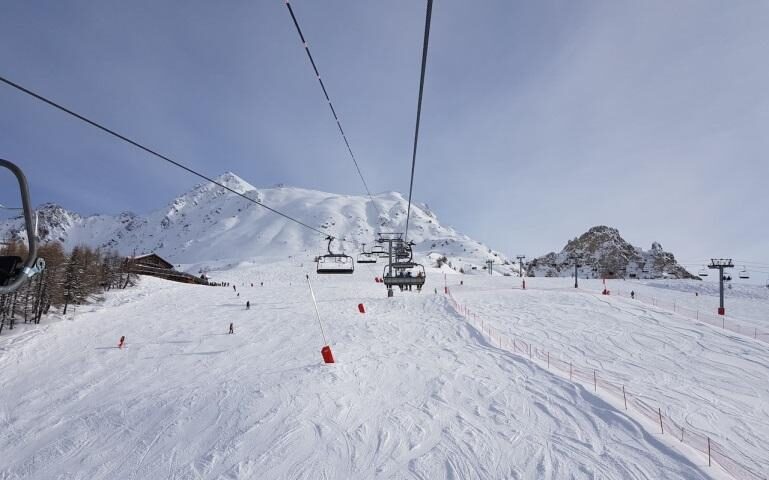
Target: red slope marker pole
328 356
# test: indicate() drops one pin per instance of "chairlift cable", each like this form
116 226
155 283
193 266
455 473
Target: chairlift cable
419 110
330 104
156 154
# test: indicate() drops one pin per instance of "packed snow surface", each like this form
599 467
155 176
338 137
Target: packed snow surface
416 391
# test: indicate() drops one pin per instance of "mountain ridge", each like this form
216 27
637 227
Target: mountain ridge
209 223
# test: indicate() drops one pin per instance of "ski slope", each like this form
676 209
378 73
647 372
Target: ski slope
712 381
417 393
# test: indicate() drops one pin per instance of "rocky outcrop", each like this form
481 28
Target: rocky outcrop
601 252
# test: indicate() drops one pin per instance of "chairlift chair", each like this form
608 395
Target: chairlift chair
379 251
366 257
14 272
404 274
404 252
335 262
703 272
744 273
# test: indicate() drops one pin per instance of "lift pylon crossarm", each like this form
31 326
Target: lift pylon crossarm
16 277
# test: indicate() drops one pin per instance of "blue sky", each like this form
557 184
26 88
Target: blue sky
540 119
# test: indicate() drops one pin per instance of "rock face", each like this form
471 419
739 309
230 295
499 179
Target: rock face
209 223
603 253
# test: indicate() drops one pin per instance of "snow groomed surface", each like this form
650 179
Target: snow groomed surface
416 392
707 386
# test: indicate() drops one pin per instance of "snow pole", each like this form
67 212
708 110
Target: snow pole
328 356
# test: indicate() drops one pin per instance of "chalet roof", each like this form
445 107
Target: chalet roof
155 256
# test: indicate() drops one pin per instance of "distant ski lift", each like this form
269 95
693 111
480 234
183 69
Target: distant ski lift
366 257
404 252
703 272
744 273
335 262
379 251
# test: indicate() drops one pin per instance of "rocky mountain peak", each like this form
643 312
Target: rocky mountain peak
603 253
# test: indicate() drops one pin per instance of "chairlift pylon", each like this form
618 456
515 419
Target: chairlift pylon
13 272
334 262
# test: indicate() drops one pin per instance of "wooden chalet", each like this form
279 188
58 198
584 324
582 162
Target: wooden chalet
154 265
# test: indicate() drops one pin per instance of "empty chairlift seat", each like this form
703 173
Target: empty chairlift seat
744 273
332 263
367 257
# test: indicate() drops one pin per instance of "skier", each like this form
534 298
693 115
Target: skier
632 294
232 328
234 289
122 341
262 284
238 294
248 305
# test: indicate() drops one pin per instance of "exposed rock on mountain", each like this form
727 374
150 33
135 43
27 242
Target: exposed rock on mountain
602 253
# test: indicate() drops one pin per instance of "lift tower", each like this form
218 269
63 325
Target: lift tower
520 264
719 264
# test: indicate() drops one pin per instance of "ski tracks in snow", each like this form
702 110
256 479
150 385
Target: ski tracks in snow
415 394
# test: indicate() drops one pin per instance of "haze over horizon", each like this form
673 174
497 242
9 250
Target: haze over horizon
539 120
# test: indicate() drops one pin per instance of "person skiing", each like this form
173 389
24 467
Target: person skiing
232 328
122 341
248 305
632 294
234 288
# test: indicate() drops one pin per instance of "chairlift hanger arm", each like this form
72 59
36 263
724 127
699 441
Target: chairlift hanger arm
31 266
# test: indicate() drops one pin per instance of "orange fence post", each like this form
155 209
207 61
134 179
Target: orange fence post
709 464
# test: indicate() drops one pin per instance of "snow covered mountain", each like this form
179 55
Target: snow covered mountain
209 223
603 253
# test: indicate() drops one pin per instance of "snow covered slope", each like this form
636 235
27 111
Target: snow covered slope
603 253
208 223
707 379
416 392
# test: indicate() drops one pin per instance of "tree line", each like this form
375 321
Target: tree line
73 278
